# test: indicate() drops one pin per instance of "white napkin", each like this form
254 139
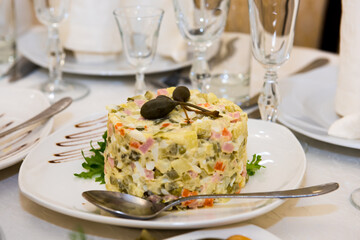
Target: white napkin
90 30
92 34
346 127
347 99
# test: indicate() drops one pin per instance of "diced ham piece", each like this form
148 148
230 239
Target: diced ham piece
215 178
128 112
162 91
215 135
132 166
244 172
222 107
149 174
147 145
170 198
139 102
110 129
196 203
236 116
192 174
111 161
154 198
227 147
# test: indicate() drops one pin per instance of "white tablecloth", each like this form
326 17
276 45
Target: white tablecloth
326 217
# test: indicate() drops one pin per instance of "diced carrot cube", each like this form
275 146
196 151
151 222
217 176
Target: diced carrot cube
209 202
118 126
122 132
219 166
135 144
225 132
188 193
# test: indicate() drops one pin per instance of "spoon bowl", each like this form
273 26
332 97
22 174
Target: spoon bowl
129 206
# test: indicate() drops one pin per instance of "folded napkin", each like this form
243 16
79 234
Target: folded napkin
347 99
346 127
91 31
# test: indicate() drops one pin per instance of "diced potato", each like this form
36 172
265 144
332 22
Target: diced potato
212 99
187 139
181 166
163 165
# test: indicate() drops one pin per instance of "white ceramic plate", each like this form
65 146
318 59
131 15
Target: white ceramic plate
53 185
250 231
33 46
307 105
17 106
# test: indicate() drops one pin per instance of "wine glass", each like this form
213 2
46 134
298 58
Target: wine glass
201 22
51 13
139 29
272 25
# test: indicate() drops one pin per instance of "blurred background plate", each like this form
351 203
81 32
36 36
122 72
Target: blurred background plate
17 106
308 105
33 46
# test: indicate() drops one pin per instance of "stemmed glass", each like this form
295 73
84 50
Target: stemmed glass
201 22
272 25
51 13
139 29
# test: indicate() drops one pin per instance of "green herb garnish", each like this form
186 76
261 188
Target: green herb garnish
95 163
253 166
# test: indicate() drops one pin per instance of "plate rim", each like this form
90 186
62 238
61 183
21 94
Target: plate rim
273 203
38 28
284 118
46 130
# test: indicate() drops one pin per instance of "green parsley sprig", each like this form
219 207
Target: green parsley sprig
253 165
94 164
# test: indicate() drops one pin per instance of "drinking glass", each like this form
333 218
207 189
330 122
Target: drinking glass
139 29
51 13
272 25
201 22
7 35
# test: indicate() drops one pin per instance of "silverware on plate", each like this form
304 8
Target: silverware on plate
129 206
20 69
47 113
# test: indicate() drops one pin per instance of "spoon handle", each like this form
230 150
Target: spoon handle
48 112
295 193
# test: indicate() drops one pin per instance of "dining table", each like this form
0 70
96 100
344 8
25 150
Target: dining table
330 216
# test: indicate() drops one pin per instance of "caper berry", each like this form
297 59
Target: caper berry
181 93
158 107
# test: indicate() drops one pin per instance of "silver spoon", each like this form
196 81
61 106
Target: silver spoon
129 206
48 112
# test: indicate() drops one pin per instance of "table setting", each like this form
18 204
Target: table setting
280 139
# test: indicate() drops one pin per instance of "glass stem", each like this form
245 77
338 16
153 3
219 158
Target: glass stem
269 98
200 73
140 86
56 56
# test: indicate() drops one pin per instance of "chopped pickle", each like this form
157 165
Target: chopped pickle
176 191
182 150
172 174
